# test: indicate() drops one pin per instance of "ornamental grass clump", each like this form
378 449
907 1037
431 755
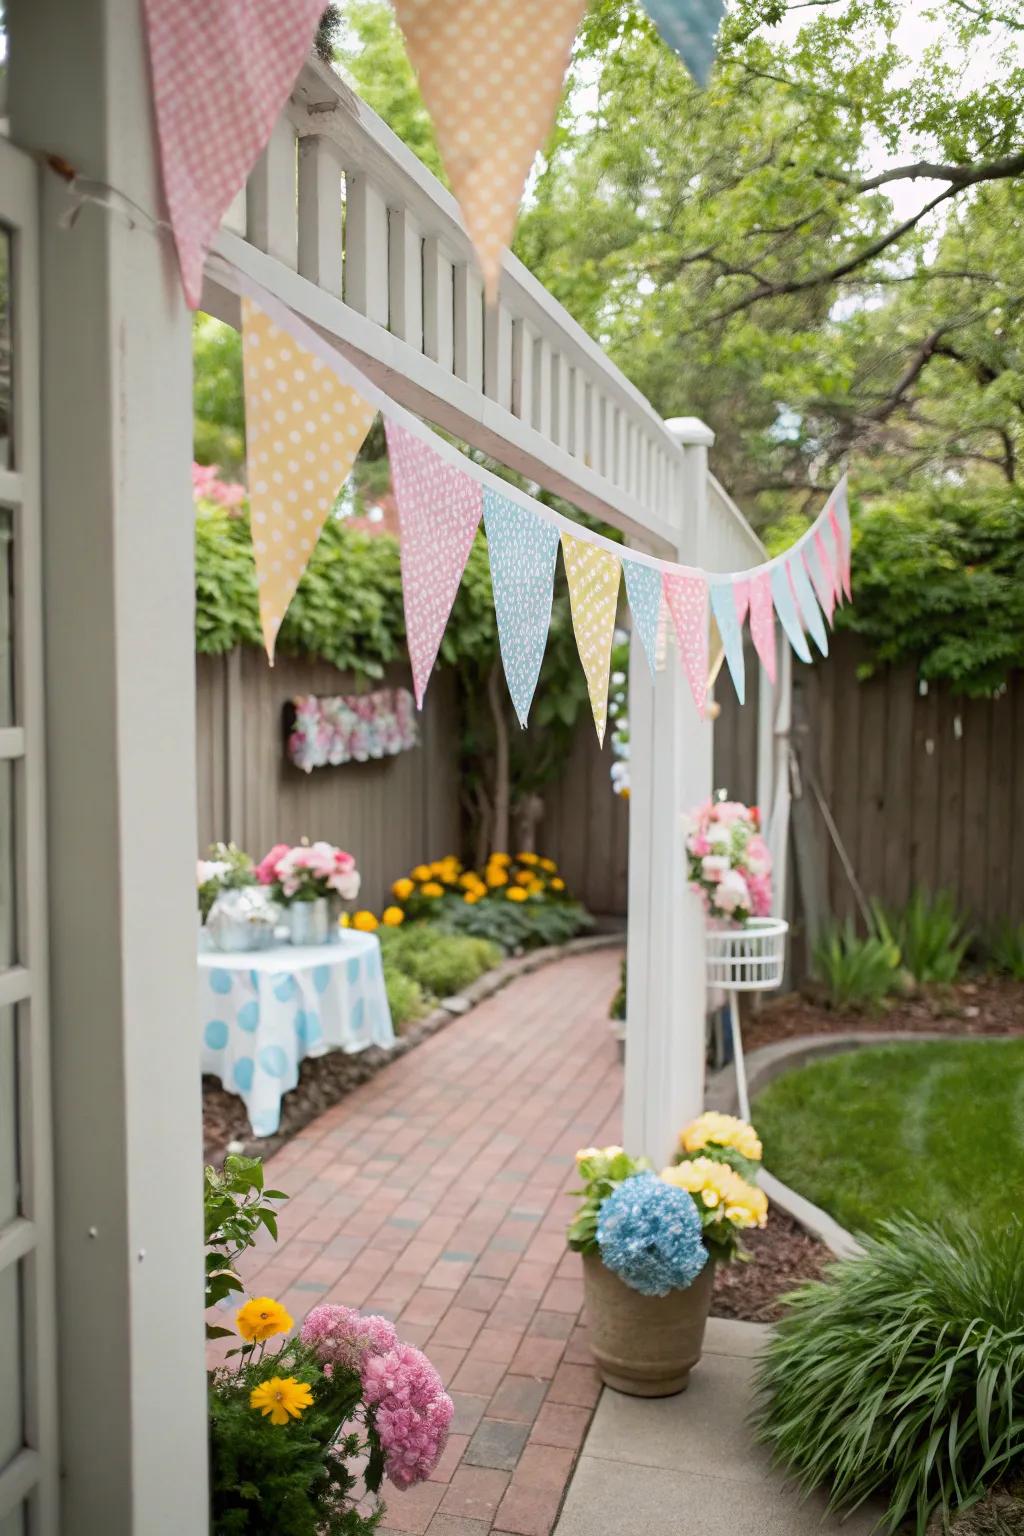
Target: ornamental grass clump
901 1375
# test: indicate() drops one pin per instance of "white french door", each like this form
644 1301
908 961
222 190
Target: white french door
28 1409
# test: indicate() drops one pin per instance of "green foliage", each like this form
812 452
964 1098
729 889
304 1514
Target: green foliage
1006 949
372 54
929 934
442 963
406 998
617 1010
218 427
858 973
290 1479
235 1207
517 925
939 581
926 1127
602 1170
238 871
902 1374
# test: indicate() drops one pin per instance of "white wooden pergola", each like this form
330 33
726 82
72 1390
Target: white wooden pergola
346 227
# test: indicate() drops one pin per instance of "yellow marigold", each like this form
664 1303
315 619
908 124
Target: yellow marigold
471 898
524 877
516 893
365 922
527 858
499 858
261 1318
548 864
281 1398
392 917
722 1131
432 889
439 866
403 889
558 885
535 885
421 872
468 880
344 921
496 877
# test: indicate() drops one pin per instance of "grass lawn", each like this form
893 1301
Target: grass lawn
934 1128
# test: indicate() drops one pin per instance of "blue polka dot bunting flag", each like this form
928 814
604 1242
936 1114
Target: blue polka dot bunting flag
522 550
785 607
689 28
723 606
806 602
643 588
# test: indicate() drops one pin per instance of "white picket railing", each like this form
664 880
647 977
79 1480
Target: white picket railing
375 253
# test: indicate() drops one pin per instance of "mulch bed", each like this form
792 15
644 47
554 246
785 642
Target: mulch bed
985 1006
782 1257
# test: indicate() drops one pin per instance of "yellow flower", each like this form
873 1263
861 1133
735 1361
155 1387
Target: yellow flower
558 885
721 1131
468 881
403 889
516 893
535 886
261 1318
496 877
585 1152
421 872
433 889
719 1185
365 922
499 858
524 877
548 864
471 898
344 921
527 858
281 1398
392 917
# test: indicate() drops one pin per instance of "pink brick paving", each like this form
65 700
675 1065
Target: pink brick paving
435 1193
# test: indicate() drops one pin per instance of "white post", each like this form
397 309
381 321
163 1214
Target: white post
118 599
670 771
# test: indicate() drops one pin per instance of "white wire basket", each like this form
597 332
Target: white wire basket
747 959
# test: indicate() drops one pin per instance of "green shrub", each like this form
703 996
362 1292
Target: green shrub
406 997
902 1373
518 925
235 1208
858 973
930 934
1006 949
617 1009
441 963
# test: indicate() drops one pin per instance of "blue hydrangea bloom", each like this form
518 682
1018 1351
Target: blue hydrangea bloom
649 1234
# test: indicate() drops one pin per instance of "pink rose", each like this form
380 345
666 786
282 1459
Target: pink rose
266 869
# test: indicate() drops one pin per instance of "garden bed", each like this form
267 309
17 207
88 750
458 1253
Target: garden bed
782 1257
983 1006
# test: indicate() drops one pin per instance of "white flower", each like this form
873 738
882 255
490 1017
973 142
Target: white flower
714 867
718 835
732 892
210 869
618 678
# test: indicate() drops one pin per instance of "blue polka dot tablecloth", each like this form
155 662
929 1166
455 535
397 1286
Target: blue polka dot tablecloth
260 1014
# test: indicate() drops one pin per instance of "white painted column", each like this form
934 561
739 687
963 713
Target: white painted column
670 771
120 668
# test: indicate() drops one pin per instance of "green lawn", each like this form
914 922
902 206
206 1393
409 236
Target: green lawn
932 1128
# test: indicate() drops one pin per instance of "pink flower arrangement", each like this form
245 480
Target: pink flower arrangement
411 1410
207 486
728 861
309 870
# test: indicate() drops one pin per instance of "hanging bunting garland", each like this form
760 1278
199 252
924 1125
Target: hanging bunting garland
689 28
303 429
491 78
593 577
686 594
440 495
522 551
438 513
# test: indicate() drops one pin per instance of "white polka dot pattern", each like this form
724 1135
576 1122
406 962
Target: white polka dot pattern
222 70
687 597
593 577
762 620
522 550
439 510
491 75
303 429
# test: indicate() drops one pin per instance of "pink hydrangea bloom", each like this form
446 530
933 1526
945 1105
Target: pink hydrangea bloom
342 1336
413 1412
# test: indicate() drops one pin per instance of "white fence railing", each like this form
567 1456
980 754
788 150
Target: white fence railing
382 264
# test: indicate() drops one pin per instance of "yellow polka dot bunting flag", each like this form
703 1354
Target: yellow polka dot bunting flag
303 429
491 75
593 577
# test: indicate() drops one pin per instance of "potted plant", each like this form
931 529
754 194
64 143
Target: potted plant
308 879
650 1244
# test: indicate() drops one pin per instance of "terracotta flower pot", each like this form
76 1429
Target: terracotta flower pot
645 1345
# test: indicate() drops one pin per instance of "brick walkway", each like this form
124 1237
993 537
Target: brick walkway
436 1194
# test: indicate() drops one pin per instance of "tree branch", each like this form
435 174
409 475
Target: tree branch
957 176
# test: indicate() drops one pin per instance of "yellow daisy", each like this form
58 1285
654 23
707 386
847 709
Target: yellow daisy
261 1318
281 1398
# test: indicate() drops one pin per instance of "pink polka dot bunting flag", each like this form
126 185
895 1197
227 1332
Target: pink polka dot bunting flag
439 509
839 520
686 594
816 558
303 429
762 620
222 71
593 577
491 75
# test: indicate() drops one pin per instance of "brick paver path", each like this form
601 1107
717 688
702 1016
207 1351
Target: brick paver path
435 1194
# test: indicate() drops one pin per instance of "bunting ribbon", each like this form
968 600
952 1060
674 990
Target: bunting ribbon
295 471
303 429
689 28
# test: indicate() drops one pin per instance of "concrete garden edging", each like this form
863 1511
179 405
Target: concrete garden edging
771 1061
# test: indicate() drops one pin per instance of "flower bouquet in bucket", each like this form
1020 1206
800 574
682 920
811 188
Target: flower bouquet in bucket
309 880
728 861
650 1243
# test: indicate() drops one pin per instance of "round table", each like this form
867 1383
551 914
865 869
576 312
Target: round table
261 1013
